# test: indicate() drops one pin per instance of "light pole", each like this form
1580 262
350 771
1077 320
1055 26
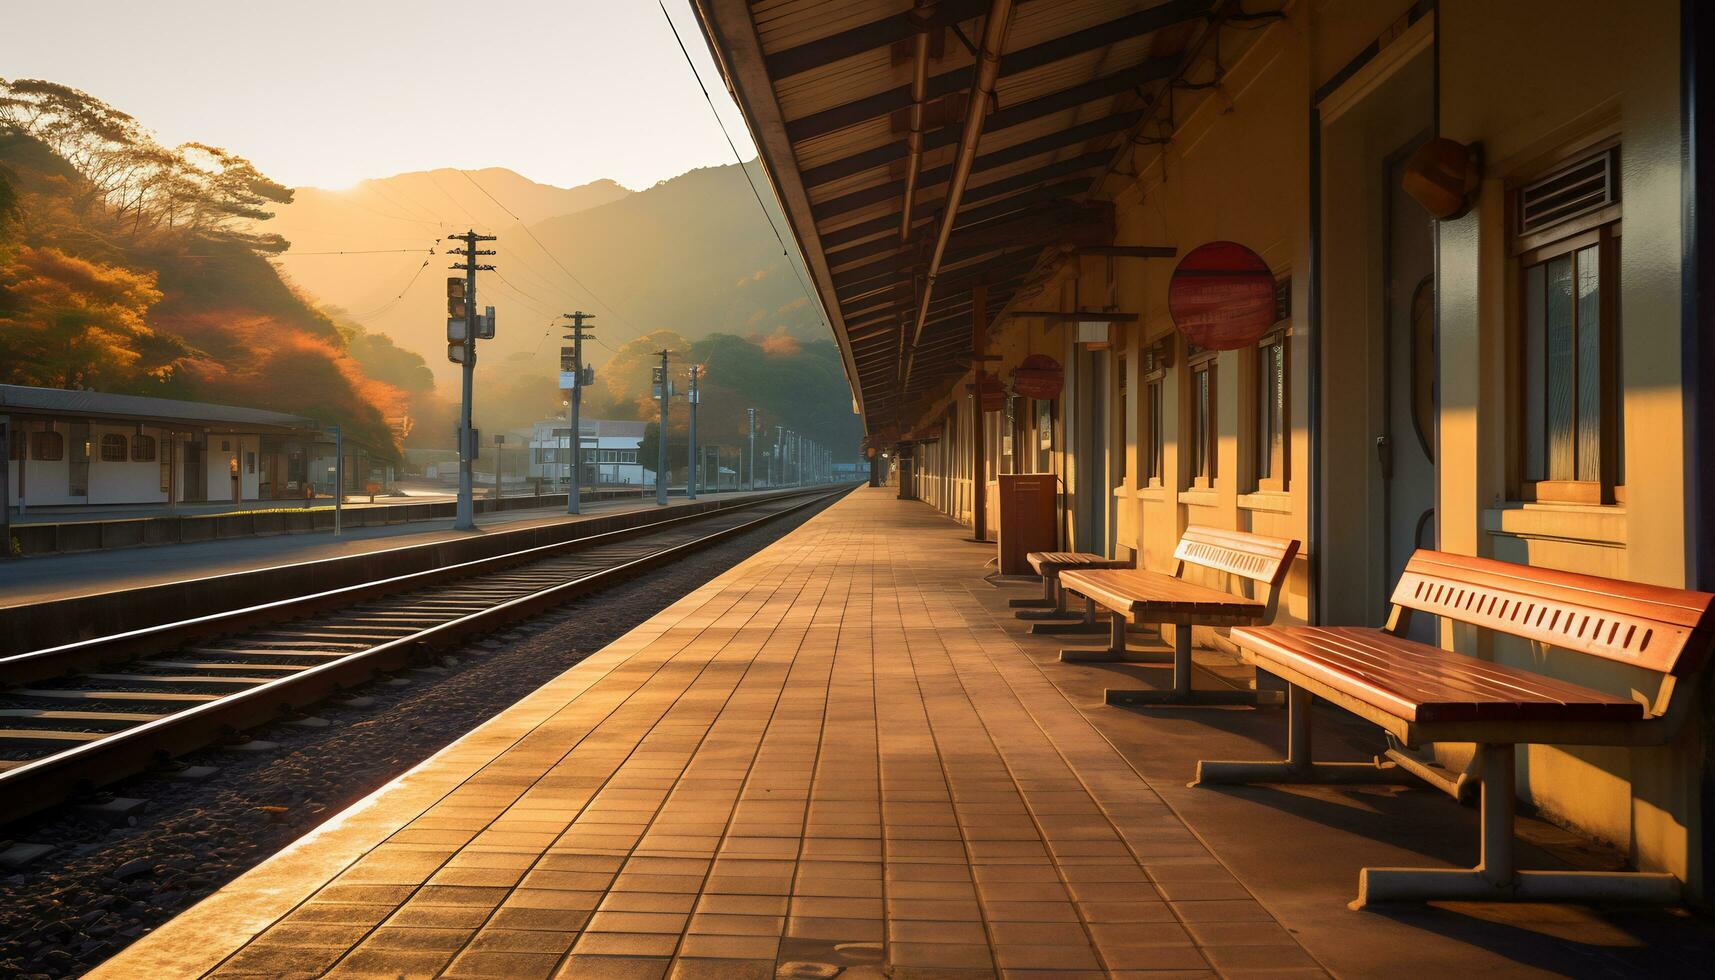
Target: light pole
464 325
578 375
665 387
693 460
750 443
338 478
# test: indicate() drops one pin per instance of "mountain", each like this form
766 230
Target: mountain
692 254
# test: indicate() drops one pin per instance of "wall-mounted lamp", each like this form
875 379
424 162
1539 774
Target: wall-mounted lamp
1443 176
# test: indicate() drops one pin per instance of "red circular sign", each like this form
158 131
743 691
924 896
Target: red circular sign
1222 296
1038 376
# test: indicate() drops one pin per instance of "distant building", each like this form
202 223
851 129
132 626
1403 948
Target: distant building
610 450
70 448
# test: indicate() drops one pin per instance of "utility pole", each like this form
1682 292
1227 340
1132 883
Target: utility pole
664 386
338 478
692 457
750 444
464 325
777 469
578 375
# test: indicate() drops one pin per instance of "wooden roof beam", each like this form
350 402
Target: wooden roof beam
1055 49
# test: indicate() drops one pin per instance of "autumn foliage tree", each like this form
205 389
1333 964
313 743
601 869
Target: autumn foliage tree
68 322
130 266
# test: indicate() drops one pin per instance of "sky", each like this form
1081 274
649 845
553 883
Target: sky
325 94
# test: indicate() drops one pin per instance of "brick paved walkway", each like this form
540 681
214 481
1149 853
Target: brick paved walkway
829 757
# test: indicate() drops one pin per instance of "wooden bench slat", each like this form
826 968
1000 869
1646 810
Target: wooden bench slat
1423 683
1051 562
1141 593
1645 625
1253 556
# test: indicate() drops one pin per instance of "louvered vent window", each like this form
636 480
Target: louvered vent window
1574 191
1570 405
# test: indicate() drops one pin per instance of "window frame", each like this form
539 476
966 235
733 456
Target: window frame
47 437
1152 411
1276 477
1203 469
1602 229
112 440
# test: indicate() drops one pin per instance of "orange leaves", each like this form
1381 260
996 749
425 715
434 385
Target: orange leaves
66 321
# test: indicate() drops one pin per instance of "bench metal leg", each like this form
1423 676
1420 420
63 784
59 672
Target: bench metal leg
1048 599
1115 652
1298 766
1085 624
1496 877
1182 692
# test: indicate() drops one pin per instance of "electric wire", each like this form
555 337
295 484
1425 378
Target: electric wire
784 251
551 257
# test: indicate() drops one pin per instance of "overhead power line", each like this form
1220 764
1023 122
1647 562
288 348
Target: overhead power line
551 257
784 251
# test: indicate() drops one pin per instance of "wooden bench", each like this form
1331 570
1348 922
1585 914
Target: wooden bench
1422 694
1138 596
1050 610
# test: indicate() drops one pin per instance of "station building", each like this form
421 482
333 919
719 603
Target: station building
1475 316
609 448
72 448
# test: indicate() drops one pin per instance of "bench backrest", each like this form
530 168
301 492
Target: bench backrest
1665 630
1252 556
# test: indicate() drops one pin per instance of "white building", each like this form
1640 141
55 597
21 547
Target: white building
70 448
610 450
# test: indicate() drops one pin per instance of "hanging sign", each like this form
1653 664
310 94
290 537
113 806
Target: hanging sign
1039 376
1222 296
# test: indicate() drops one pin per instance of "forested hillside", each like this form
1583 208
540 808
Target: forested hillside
183 272
133 267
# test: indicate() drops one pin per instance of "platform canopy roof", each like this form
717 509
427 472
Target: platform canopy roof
902 197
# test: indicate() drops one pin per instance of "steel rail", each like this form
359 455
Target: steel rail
41 783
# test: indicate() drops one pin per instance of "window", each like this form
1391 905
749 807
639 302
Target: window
1152 447
1568 249
142 449
15 445
1271 421
1204 434
249 462
47 446
114 448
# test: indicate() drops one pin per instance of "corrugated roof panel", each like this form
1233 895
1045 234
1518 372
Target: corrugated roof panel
842 143
782 24
839 83
1033 23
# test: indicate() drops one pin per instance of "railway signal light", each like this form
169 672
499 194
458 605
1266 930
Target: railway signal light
456 297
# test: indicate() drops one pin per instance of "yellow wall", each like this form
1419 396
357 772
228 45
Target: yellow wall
1526 79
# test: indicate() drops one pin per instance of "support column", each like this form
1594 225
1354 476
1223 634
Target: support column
979 465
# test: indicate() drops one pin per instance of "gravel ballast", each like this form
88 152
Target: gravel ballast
104 886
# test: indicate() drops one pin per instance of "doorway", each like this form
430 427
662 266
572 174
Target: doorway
195 474
1406 447
1095 526
1376 422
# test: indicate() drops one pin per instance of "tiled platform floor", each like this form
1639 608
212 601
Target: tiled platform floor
838 758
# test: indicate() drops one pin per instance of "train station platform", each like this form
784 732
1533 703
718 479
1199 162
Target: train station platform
843 757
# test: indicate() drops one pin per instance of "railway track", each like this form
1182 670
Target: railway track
76 717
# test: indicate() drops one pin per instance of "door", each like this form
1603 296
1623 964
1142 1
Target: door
237 481
195 482
1094 491
1407 445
